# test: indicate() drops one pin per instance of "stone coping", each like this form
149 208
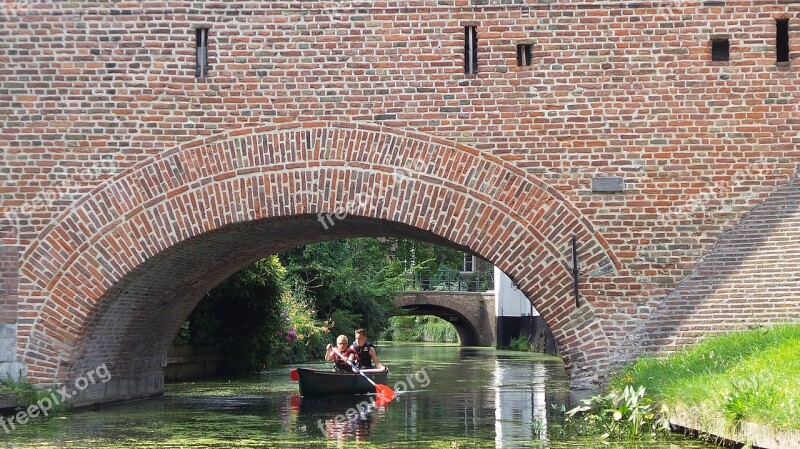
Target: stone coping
8 402
760 435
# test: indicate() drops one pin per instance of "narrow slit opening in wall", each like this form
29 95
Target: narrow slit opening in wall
201 43
470 50
782 39
720 50
524 53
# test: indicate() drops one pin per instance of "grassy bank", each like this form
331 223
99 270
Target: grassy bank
751 376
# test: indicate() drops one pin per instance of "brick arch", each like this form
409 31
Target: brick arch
212 198
470 313
468 335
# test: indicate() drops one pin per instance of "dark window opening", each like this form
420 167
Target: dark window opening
720 50
201 65
782 39
470 50
469 262
524 53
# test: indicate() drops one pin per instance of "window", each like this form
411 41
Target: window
524 52
470 50
782 39
720 50
201 65
469 262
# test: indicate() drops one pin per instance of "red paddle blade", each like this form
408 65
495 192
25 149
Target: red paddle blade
293 374
385 392
381 402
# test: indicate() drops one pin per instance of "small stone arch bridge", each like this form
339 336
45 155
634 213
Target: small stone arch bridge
471 313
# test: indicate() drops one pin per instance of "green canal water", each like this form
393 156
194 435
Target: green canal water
455 398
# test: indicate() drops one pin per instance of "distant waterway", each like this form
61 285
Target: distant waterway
454 397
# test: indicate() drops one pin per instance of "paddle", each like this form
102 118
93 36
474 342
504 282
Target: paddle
383 391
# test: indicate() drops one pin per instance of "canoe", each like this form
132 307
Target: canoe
318 383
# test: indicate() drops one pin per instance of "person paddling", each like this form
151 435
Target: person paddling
366 357
340 364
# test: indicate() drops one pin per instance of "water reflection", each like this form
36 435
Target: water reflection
474 397
521 401
353 417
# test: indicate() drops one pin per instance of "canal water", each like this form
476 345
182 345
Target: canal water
452 397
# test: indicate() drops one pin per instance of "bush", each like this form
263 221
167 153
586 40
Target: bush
304 337
255 321
27 395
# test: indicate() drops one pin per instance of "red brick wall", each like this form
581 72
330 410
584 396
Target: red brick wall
629 90
749 278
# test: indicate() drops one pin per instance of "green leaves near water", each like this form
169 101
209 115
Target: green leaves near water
248 317
26 394
619 415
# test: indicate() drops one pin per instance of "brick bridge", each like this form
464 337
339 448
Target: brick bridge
130 186
471 313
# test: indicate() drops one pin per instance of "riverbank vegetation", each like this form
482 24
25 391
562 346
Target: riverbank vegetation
254 321
626 413
520 343
350 282
25 394
420 328
749 376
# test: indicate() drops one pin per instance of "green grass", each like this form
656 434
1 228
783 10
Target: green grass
751 376
519 343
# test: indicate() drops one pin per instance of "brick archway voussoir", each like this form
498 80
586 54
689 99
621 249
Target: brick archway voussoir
450 190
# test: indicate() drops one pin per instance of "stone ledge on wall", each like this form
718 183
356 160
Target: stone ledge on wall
759 435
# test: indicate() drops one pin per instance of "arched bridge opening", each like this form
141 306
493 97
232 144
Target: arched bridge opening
468 334
114 278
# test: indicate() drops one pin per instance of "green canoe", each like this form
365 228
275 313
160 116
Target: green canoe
318 383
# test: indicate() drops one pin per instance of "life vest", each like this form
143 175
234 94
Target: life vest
340 364
363 359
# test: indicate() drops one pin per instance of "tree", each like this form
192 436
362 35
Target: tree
241 317
352 282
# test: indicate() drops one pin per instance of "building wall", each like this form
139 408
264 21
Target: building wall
509 300
93 91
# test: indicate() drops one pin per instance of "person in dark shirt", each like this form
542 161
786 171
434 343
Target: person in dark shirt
366 357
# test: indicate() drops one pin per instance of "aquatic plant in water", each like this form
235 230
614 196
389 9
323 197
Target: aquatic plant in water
619 415
519 343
